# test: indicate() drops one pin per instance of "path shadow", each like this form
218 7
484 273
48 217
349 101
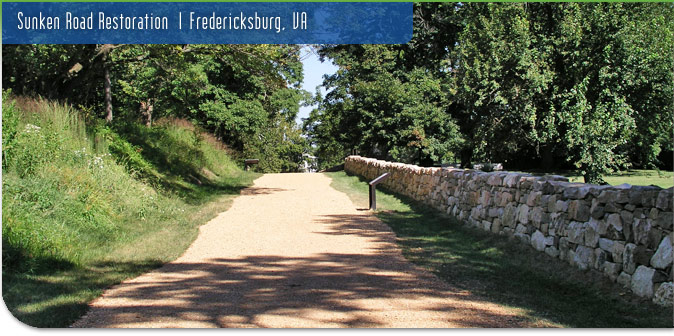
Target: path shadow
264 291
252 191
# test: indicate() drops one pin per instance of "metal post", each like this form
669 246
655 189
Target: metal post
373 190
373 197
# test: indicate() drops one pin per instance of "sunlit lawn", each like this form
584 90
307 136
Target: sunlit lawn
660 178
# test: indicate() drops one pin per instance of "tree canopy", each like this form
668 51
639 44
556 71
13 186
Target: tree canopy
247 95
530 85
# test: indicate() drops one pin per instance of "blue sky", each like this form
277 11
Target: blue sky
313 76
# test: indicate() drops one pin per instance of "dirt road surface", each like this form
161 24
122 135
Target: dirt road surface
292 252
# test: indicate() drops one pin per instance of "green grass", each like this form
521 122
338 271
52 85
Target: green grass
641 177
542 290
86 205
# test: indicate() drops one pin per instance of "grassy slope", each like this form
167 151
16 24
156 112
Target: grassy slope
542 290
85 207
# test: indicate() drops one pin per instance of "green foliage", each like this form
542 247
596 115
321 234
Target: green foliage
279 149
233 91
380 111
10 124
535 85
500 82
78 196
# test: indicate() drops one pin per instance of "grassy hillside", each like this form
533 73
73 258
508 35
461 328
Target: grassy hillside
87 205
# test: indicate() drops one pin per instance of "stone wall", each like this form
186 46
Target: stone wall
622 231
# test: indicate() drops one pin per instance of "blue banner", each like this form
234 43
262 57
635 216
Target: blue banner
206 22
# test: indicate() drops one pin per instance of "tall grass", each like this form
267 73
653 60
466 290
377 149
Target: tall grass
86 205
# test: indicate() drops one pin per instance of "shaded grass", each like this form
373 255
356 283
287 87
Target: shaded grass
544 290
84 208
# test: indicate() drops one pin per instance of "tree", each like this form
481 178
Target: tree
379 110
234 91
500 80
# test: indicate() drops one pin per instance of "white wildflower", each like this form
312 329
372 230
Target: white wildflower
30 128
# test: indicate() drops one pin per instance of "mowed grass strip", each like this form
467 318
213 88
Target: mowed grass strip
542 290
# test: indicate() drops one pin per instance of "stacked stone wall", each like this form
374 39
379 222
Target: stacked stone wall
622 231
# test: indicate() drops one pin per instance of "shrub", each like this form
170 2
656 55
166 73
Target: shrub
487 167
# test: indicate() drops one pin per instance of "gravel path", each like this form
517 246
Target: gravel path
292 252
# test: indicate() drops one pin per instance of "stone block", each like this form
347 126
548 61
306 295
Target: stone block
511 180
625 279
664 200
664 295
523 238
642 281
605 196
612 208
538 241
533 198
496 225
618 250
523 214
663 256
622 196
495 212
655 236
485 198
626 216
612 270
640 228
590 235
665 220
509 216
600 257
615 225
578 210
576 191
596 210
575 232
539 216
494 180
563 248
551 204
635 255
506 198
583 257
561 206
552 251
653 214
606 244
486 225
629 265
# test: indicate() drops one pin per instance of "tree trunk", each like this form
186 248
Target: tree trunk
547 159
146 111
108 94
466 156
593 177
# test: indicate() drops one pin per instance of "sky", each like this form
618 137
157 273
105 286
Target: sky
313 76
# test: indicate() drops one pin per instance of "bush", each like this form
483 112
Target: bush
10 123
487 167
